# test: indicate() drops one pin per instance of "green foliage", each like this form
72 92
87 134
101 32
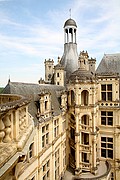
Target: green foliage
1 88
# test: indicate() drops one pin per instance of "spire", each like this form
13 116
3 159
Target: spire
9 79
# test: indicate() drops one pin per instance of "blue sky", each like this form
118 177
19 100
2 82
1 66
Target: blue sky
32 31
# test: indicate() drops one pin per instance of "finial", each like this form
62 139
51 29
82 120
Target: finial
70 13
9 79
58 60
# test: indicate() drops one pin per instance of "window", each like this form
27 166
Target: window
107 118
107 147
72 97
31 150
45 135
46 170
49 67
46 105
57 164
58 75
85 120
72 133
85 138
84 97
58 83
56 127
85 157
106 92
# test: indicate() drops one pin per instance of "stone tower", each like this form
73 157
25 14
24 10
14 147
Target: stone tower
70 55
49 66
59 74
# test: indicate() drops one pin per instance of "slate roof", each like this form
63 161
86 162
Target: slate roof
81 75
32 91
110 64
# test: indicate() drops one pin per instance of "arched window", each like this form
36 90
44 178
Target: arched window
31 150
85 120
72 97
84 97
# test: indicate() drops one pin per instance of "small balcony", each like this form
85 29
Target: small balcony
85 166
84 147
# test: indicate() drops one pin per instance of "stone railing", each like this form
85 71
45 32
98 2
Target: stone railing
8 98
86 165
105 176
13 117
85 127
84 147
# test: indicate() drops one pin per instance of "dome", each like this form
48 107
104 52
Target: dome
70 22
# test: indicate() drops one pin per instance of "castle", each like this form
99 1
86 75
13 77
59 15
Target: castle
68 125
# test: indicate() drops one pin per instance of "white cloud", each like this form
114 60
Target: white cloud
98 30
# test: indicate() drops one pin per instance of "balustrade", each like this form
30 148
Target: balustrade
84 147
22 119
85 127
7 130
10 123
85 165
2 133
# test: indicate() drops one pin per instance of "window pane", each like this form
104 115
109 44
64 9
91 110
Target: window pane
43 141
109 87
103 120
109 96
110 139
110 154
47 138
103 94
103 139
110 145
103 153
103 87
110 121
103 113
47 127
43 129
103 145
110 113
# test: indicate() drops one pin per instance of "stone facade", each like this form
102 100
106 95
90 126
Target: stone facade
29 151
66 127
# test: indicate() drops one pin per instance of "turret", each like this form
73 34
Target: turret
49 66
70 55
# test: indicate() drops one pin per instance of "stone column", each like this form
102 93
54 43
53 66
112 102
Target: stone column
94 167
16 124
77 154
7 129
2 133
